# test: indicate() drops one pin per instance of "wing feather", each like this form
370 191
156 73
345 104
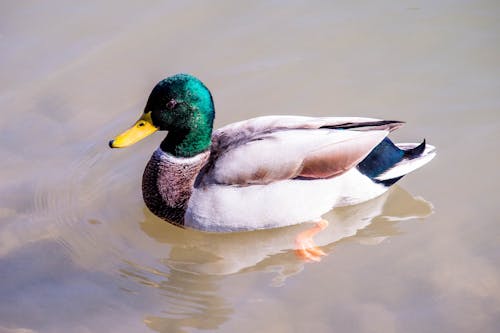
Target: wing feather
268 149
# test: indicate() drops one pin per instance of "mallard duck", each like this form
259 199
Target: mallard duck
265 172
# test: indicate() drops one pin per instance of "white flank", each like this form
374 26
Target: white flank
222 208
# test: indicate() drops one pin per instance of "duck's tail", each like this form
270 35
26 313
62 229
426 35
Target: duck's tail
389 162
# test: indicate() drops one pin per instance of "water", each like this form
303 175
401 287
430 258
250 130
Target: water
79 252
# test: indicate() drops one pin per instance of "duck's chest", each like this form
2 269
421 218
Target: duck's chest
167 184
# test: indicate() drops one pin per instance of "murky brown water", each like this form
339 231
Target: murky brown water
79 252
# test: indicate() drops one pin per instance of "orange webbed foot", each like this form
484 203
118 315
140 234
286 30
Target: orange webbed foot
305 248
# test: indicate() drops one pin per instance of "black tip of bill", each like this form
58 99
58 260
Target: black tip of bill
110 143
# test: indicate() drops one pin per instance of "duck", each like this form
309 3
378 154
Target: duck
265 172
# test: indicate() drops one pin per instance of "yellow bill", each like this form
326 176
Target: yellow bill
141 129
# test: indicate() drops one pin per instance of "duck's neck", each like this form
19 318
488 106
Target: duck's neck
187 142
168 182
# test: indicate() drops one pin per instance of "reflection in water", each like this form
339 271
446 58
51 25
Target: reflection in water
233 252
196 263
191 300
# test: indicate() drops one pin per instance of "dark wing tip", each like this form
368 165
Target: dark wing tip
394 124
390 125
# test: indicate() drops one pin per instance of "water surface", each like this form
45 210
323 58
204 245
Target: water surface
79 252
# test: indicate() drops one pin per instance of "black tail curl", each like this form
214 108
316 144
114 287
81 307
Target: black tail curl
415 152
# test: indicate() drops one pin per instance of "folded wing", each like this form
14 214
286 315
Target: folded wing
268 149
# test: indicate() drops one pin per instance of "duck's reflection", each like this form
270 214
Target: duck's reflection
221 254
191 300
196 261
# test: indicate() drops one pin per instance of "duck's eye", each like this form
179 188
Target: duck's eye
171 104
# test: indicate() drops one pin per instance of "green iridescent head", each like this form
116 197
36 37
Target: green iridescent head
183 106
